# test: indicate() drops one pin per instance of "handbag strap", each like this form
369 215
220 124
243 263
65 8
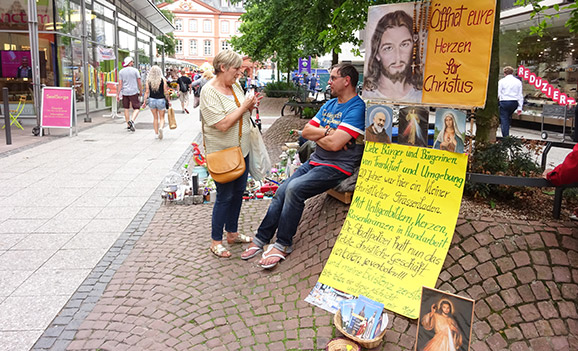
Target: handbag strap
240 121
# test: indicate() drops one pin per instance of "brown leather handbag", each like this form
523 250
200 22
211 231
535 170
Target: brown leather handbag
226 165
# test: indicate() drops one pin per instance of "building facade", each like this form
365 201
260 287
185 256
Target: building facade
203 28
73 43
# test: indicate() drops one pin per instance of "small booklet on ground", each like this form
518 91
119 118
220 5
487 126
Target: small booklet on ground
365 317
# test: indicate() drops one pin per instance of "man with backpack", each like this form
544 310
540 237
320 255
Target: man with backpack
184 84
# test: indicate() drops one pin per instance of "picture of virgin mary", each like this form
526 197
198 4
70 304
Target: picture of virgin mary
449 136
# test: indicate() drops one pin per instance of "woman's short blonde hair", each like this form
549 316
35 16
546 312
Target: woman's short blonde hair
228 59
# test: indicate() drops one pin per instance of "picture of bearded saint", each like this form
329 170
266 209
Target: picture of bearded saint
447 335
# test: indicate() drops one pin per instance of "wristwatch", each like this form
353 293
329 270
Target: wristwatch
327 131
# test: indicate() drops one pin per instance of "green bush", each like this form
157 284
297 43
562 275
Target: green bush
309 112
509 157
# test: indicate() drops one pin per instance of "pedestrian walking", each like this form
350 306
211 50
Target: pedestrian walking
184 83
223 106
129 88
198 85
157 97
510 98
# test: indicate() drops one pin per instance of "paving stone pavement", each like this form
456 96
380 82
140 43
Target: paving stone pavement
171 293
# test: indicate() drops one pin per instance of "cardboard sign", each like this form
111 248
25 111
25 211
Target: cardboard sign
399 226
459 51
57 107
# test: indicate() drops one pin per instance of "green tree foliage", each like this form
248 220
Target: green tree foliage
539 11
285 30
168 46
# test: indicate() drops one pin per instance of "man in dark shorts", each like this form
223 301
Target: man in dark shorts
129 87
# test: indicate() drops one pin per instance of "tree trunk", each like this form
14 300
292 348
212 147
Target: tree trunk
334 57
487 118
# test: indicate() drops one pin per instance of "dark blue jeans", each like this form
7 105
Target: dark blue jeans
507 107
228 205
287 206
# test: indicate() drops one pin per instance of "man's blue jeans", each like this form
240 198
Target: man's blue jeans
228 205
507 107
287 206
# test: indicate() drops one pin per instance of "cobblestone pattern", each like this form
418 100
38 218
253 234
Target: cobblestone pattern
63 328
171 293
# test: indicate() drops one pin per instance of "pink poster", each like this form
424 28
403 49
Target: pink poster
56 107
16 64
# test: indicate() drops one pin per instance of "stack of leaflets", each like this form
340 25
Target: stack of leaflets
363 317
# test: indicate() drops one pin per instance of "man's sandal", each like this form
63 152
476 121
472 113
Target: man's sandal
220 251
267 255
253 251
240 239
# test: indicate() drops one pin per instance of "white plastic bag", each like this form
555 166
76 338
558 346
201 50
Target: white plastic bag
259 161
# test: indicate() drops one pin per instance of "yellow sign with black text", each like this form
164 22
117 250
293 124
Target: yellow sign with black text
399 226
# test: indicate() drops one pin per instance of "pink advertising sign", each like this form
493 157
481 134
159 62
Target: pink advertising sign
57 108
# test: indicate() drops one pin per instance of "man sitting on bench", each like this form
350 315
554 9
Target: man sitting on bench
338 130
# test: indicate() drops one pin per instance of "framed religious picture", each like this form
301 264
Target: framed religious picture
450 130
413 125
378 124
445 321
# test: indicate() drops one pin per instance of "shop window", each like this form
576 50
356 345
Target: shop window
207 26
193 26
224 26
208 48
193 47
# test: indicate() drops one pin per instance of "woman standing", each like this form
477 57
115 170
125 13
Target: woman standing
222 106
157 93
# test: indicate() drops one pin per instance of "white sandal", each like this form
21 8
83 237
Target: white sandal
267 255
255 251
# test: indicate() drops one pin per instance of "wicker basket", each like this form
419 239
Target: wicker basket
368 344
340 344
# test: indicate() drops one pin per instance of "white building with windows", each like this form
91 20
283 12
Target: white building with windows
203 28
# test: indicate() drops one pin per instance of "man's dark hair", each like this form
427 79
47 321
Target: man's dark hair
347 70
391 20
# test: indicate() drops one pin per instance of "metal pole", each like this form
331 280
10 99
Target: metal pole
85 65
7 116
34 53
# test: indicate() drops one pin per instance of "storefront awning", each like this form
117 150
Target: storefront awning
175 62
149 11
